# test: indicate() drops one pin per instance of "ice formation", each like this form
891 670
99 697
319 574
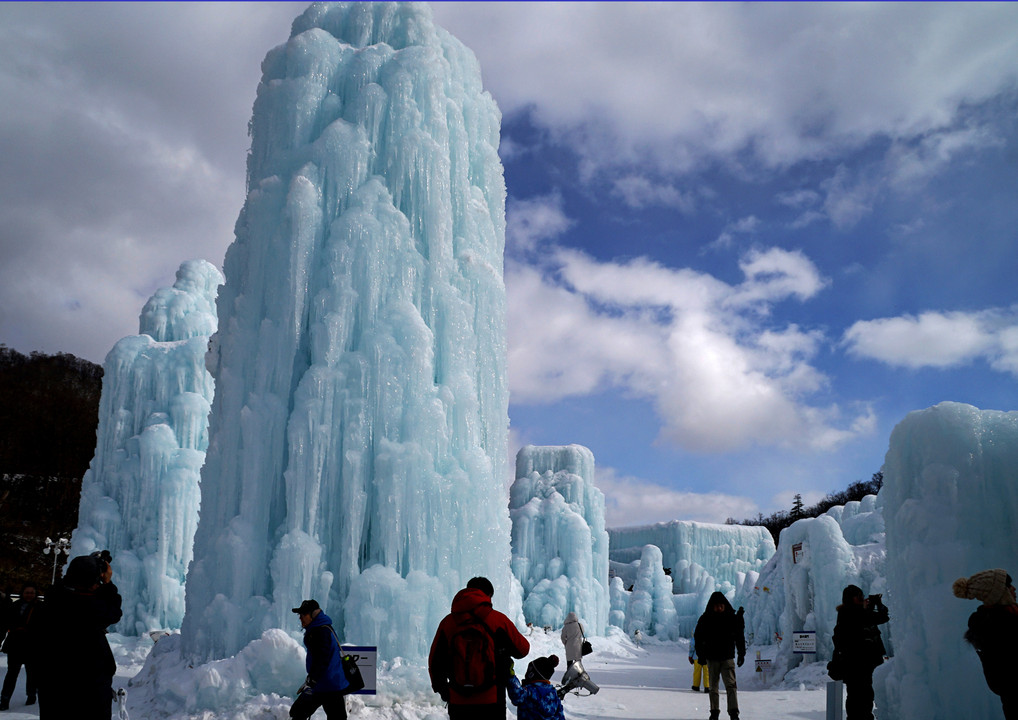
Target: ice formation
694 550
950 504
360 425
800 588
559 542
139 497
700 558
650 607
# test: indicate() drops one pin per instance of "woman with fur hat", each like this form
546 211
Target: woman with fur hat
536 698
993 632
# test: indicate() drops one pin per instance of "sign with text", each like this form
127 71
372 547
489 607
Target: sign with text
797 553
367 657
804 641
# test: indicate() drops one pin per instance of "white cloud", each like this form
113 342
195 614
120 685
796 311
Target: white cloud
534 220
639 192
632 501
939 339
678 84
745 226
694 346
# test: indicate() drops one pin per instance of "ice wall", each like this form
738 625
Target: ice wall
651 607
694 551
359 430
559 542
140 496
951 508
800 587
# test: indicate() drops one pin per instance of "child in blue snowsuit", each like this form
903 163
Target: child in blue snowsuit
536 698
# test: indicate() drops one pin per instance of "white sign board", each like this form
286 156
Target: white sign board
366 663
763 665
804 641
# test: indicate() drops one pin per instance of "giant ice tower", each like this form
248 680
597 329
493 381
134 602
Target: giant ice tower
358 438
139 498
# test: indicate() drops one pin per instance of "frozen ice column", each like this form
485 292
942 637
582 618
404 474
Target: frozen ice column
951 509
360 427
139 497
560 545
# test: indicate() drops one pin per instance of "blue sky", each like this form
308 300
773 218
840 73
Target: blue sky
744 240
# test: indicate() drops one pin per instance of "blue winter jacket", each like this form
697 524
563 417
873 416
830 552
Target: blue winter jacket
536 701
324 661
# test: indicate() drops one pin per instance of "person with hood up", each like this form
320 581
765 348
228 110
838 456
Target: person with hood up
719 635
859 649
573 637
491 637
993 632
536 698
75 672
326 680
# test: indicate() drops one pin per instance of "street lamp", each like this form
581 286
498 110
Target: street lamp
61 545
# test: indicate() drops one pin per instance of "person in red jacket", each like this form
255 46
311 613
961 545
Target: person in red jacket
470 660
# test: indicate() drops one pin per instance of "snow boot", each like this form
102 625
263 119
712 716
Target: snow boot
5 704
696 689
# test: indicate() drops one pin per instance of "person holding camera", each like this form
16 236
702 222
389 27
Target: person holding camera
859 648
76 663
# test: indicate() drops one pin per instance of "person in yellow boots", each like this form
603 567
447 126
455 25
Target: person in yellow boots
698 669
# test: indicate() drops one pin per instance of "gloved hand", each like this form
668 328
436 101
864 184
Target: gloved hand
690 659
742 659
512 669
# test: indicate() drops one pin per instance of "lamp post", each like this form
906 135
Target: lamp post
61 545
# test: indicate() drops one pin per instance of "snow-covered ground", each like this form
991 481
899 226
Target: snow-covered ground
649 682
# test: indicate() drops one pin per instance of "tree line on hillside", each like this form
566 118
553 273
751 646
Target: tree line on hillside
49 411
778 521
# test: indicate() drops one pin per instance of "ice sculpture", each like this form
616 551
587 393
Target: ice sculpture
559 543
694 550
139 497
360 426
800 588
950 502
651 606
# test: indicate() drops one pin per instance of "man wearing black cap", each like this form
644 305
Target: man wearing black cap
326 681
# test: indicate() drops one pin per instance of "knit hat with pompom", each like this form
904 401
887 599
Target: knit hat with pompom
990 586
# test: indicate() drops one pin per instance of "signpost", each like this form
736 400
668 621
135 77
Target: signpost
804 642
367 657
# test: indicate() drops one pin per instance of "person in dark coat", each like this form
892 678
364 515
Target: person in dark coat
719 637
77 667
326 680
474 602
859 649
993 632
22 620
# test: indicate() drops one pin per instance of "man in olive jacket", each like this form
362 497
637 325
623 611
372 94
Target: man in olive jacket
720 632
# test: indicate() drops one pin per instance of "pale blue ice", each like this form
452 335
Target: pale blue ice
139 498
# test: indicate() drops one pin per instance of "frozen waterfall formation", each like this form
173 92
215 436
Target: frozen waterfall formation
800 587
139 498
358 437
559 542
700 558
950 503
